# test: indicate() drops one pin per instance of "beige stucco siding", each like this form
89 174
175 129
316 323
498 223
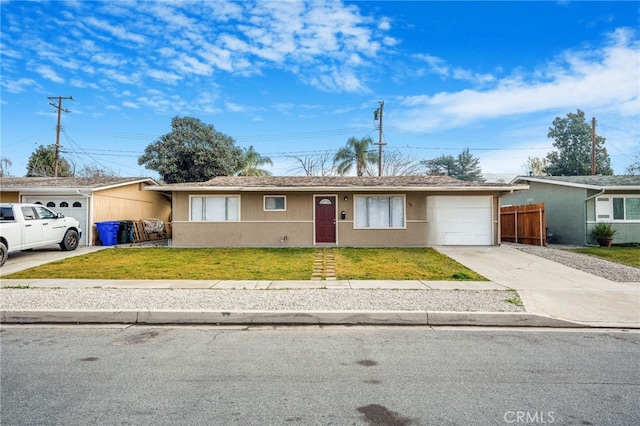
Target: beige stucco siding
258 227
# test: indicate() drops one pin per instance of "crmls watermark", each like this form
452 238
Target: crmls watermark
529 417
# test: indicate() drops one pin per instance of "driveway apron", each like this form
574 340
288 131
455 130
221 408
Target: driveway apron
552 289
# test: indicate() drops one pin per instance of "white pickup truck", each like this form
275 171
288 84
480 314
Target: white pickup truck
27 226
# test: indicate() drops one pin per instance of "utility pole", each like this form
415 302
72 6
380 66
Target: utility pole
593 146
60 110
377 115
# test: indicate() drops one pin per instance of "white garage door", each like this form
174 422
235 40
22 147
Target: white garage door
72 206
459 220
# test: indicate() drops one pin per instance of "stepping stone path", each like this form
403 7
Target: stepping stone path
324 266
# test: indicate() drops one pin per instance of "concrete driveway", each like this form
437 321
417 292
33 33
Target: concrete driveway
21 260
552 289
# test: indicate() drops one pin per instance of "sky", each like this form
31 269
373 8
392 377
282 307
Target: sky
297 79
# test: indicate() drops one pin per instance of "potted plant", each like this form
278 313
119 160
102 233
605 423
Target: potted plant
603 233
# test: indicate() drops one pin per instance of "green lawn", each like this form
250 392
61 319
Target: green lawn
251 264
399 264
625 255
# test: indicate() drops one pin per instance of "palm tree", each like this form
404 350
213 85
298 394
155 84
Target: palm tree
356 152
252 161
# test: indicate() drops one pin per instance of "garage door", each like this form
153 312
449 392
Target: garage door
459 220
72 206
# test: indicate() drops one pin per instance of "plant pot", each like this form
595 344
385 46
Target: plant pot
604 242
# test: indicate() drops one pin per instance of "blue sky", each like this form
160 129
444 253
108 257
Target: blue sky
299 79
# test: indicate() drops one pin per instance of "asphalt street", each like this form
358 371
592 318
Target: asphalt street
126 375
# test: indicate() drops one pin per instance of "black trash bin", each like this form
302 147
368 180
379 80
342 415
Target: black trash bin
125 233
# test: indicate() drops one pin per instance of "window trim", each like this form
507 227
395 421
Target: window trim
624 197
404 211
204 196
264 203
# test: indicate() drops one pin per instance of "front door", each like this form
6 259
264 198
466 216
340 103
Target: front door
325 219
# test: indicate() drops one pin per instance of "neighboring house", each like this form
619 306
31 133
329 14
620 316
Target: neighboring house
574 204
90 200
300 211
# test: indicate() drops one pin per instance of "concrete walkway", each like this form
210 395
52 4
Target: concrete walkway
554 295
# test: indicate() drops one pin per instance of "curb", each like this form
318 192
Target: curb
159 317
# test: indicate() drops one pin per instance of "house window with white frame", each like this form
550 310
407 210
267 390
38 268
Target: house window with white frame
215 209
626 208
379 211
275 203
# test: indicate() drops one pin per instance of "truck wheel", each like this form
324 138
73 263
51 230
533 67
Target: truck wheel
70 240
4 253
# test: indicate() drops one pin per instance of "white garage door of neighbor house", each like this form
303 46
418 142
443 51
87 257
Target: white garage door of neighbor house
459 220
72 206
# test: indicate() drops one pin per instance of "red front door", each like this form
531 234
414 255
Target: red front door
325 219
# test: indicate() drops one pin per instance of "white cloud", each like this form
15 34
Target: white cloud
19 85
164 76
47 72
440 67
115 30
606 77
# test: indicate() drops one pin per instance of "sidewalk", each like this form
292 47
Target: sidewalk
554 296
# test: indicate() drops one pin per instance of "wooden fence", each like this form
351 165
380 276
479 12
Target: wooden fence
524 224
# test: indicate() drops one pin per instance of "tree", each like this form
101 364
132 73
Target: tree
634 168
394 163
445 165
94 171
192 152
5 163
42 163
535 166
357 153
251 163
464 167
468 167
573 140
318 165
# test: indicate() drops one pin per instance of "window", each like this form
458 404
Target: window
6 213
215 209
626 208
28 213
64 204
44 213
77 204
51 204
379 212
275 202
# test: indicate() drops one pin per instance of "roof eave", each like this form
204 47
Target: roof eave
579 185
508 188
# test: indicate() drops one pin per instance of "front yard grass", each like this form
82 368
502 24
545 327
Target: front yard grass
625 255
400 264
160 263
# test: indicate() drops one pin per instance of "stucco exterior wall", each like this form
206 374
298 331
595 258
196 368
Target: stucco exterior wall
260 228
565 209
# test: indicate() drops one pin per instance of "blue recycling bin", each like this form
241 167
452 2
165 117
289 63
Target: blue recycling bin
108 232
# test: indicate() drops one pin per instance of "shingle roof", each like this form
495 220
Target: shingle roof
18 183
337 182
631 181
